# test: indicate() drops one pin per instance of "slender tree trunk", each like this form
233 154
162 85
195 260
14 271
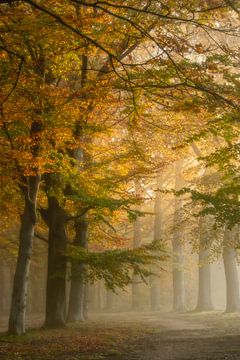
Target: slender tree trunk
136 280
77 310
99 296
204 302
57 265
178 273
154 295
20 282
178 279
230 269
110 300
85 298
100 301
4 283
155 281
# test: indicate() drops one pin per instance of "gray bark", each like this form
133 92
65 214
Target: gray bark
136 280
178 279
178 273
4 281
99 296
77 310
95 296
155 281
230 269
3 290
110 300
204 302
20 282
57 265
100 299
78 299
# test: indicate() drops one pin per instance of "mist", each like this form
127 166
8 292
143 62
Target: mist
119 180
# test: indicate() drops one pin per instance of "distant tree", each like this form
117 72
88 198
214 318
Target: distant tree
146 58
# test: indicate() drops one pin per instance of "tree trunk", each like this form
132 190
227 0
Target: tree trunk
77 310
231 273
20 282
4 283
178 279
86 299
110 300
136 280
57 265
78 298
178 273
100 300
204 302
155 281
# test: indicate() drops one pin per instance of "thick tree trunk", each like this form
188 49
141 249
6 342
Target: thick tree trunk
57 265
231 273
77 310
204 302
178 273
20 283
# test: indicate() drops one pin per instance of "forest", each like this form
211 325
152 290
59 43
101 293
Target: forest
119 180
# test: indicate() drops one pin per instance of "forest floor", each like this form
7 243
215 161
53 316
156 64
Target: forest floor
132 336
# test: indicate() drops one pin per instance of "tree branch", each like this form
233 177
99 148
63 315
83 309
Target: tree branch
41 237
83 212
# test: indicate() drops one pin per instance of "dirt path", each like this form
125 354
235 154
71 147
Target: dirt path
132 336
188 337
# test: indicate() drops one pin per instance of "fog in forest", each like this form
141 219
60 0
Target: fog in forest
193 275
119 180
100 299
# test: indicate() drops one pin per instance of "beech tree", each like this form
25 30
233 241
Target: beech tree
178 257
139 56
158 232
230 268
136 280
